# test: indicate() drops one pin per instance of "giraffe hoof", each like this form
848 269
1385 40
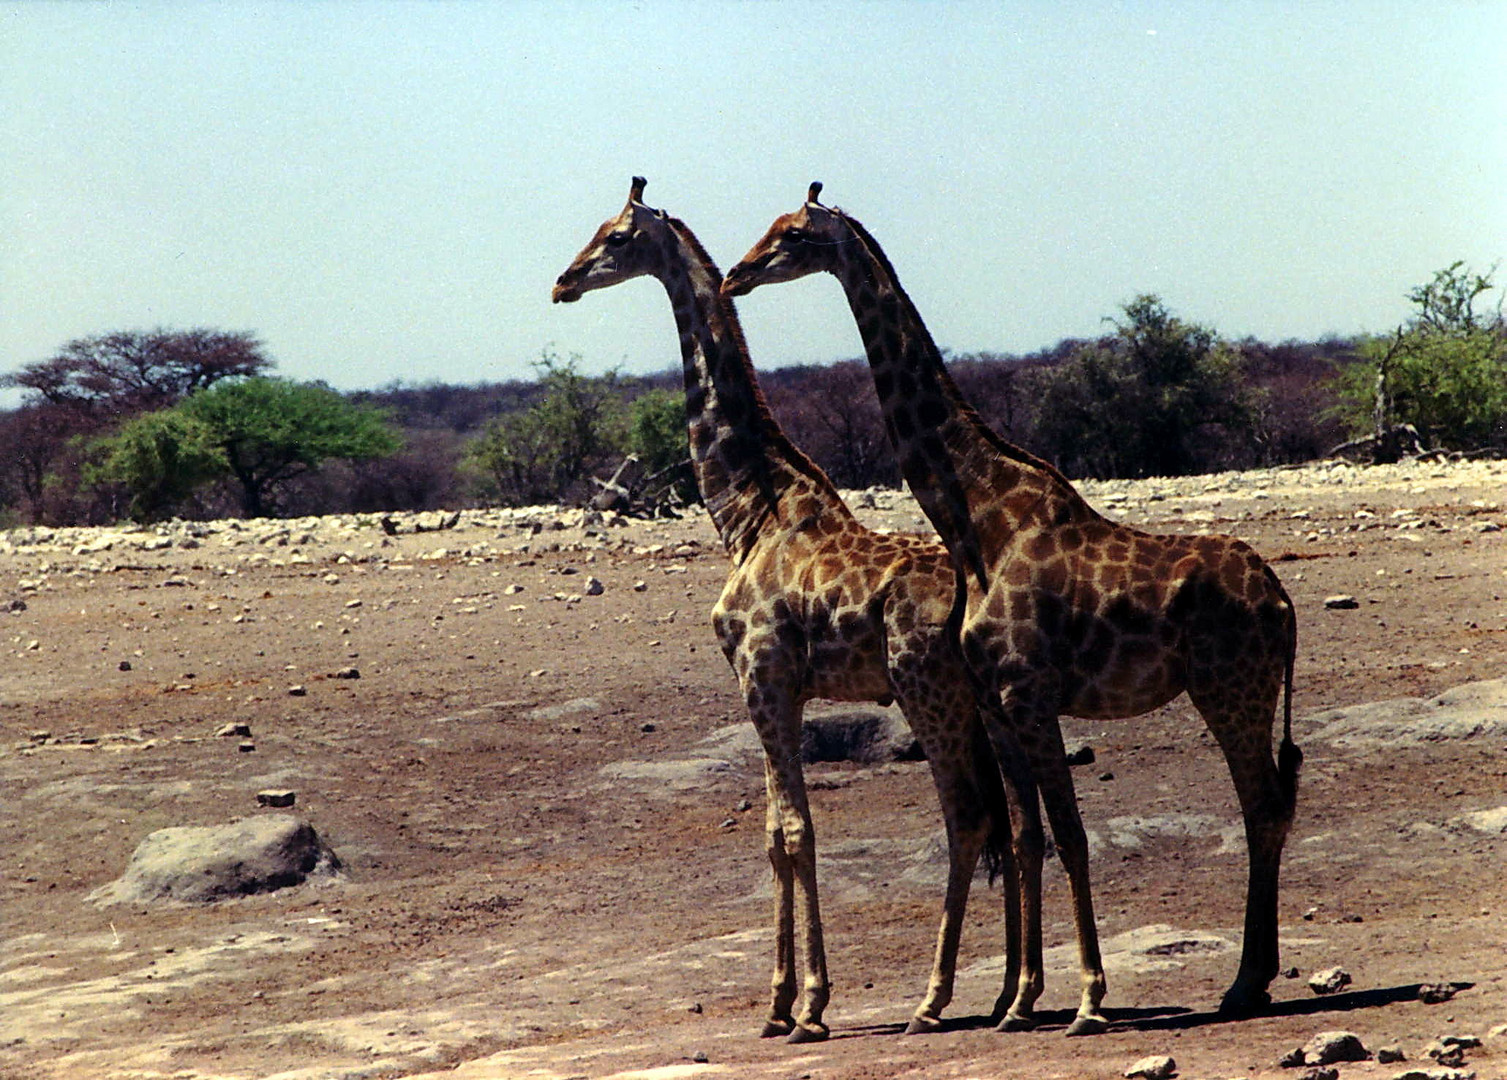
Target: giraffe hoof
1087 1024
1013 1022
1244 1002
804 1034
923 1025
776 1029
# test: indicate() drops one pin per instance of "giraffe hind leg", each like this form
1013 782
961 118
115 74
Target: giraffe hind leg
969 791
1243 731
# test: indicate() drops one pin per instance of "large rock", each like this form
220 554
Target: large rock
1471 711
203 864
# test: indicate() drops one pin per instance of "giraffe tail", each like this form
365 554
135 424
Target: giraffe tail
999 854
1289 757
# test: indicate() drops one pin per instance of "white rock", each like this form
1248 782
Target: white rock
1156 1067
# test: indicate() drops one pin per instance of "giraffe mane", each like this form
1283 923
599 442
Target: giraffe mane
775 434
1003 446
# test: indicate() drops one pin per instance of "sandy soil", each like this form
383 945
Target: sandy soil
553 846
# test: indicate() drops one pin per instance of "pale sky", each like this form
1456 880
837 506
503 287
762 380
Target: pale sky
386 191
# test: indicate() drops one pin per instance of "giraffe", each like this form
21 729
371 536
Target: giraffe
817 605
1066 612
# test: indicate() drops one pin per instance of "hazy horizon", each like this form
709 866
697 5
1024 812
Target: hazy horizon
386 191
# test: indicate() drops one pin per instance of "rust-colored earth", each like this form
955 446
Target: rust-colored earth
554 852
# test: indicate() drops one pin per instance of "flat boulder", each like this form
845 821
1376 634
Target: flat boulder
199 865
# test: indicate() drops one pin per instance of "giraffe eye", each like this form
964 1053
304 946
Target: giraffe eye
795 232
617 239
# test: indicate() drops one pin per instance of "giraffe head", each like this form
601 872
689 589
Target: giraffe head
628 245
804 242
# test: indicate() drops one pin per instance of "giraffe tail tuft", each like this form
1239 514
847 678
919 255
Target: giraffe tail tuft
1289 757
999 854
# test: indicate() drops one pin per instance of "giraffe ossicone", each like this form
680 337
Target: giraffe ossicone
818 606
1066 612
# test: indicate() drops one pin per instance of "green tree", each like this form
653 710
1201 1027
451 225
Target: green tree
273 430
1157 398
160 458
1443 371
657 434
538 454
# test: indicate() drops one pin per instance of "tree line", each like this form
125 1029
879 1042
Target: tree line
147 425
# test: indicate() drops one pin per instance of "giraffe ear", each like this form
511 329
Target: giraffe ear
813 191
636 190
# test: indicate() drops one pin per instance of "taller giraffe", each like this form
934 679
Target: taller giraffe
816 605
1066 612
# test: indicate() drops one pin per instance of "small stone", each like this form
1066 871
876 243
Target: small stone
348 673
512 590
353 603
1450 1057
1328 1047
124 665
1320 1072
247 747
640 586
743 806
1389 1055
728 823
1155 1067
1341 602
700 1058
1106 777
1082 755
1329 981
1290 973
1436 993
298 691
647 728
594 587
694 1007
1292 1059
275 798
235 731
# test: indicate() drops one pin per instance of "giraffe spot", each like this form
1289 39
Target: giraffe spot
932 412
906 384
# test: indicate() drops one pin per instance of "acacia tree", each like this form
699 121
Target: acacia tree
1443 371
271 431
129 371
93 383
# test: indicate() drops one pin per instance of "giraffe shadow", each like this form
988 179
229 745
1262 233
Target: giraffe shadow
1173 1017
1353 1001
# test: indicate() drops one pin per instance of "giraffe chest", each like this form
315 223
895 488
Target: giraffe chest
820 628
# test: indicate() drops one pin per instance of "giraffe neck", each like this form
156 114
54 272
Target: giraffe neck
976 488
746 468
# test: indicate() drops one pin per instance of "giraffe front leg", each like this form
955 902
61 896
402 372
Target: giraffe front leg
800 843
781 1021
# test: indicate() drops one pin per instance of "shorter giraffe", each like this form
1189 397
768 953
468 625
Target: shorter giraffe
817 605
1066 611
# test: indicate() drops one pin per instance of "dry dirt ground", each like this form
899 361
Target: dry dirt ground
553 842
